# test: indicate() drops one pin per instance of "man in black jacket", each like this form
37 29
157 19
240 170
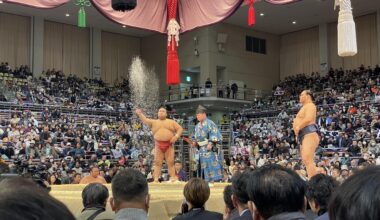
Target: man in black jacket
240 196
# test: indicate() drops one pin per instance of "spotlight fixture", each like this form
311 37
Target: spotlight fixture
262 14
124 26
294 22
67 15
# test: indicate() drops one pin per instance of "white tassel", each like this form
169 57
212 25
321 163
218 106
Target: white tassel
173 30
347 45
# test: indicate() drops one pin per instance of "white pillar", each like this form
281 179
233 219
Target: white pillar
323 49
37 45
95 53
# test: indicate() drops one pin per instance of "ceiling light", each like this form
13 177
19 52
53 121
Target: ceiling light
124 26
261 14
294 22
1 2
67 14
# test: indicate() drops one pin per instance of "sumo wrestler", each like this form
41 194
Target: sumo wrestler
165 133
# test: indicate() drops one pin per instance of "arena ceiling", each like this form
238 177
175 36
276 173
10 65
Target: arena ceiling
276 19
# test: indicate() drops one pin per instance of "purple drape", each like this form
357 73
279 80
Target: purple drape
152 14
39 3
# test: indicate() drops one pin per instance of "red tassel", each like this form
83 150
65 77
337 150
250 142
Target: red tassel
172 65
251 14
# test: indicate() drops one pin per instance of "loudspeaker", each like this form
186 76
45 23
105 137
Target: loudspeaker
124 5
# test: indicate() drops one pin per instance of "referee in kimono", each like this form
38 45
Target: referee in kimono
208 140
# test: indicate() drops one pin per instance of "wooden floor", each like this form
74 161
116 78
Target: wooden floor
165 203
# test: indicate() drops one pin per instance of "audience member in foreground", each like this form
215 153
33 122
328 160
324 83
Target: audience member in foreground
240 197
230 211
276 193
22 199
358 197
319 190
196 193
94 198
130 195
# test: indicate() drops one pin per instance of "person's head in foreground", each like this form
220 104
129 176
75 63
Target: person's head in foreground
197 192
227 197
239 191
130 194
22 199
95 195
276 193
319 190
358 197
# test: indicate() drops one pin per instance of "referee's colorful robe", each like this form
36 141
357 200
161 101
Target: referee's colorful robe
211 162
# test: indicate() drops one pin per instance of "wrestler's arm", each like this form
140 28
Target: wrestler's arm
310 113
144 119
178 129
178 132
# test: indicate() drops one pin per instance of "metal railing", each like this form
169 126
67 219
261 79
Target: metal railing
194 92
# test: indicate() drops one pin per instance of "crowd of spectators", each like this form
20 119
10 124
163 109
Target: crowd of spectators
268 179
67 144
54 88
338 86
63 145
348 116
271 192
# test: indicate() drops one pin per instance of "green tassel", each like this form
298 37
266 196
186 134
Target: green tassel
81 17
